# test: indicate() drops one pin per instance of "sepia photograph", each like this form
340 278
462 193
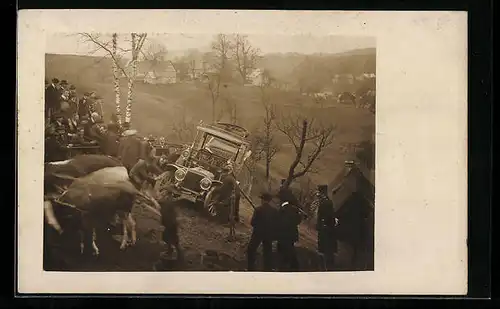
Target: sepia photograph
242 152
209 152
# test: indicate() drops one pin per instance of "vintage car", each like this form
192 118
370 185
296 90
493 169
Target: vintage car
219 150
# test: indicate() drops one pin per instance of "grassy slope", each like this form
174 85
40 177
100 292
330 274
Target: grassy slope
156 107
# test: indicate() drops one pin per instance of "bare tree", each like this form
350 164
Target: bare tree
306 195
231 109
183 129
221 48
213 84
154 53
251 163
266 141
137 41
308 139
110 47
245 56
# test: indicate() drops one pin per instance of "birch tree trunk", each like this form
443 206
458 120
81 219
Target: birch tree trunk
128 109
116 80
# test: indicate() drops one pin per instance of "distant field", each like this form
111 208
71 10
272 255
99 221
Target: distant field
157 107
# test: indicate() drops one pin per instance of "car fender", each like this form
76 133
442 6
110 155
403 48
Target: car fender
216 182
172 167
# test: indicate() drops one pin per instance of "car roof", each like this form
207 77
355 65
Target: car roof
222 133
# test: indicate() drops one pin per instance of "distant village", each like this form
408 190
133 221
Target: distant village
162 70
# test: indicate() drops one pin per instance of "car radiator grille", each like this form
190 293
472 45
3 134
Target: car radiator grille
192 181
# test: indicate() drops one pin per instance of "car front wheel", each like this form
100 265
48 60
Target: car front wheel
210 204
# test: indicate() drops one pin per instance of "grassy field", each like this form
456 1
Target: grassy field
157 108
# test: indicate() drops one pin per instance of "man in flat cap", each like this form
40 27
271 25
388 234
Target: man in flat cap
263 221
326 223
63 85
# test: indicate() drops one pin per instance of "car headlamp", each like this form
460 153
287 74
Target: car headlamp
205 183
180 174
185 154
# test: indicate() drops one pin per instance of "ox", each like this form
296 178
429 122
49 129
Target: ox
94 200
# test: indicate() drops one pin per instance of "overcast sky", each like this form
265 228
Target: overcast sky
72 44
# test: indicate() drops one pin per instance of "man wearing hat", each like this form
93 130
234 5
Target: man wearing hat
263 221
110 141
53 147
223 192
96 130
142 172
73 99
286 194
92 98
60 128
52 98
83 106
326 222
289 219
63 84
131 149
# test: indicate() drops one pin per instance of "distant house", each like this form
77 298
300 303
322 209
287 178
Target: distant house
260 76
257 77
347 78
365 76
197 69
157 72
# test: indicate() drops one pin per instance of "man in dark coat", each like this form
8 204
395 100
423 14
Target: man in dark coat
286 194
73 99
97 131
223 192
263 223
169 221
52 98
130 149
326 223
53 146
111 141
84 107
289 219
144 172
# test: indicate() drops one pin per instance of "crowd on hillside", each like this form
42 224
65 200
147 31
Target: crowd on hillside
76 120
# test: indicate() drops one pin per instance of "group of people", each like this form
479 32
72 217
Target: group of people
70 119
280 224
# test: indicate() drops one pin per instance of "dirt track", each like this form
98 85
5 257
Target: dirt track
205 243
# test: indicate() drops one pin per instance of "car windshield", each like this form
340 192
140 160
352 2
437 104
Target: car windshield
217 145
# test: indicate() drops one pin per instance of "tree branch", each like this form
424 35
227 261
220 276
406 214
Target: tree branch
95 40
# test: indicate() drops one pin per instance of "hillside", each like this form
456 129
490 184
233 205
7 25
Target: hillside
159 108
282 66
